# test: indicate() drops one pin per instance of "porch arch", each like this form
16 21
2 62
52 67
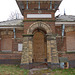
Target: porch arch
39 25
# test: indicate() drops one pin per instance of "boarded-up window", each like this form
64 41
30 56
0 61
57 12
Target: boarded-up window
6 44
20 47
70 41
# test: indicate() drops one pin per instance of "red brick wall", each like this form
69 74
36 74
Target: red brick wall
61 44
32 9
36 12
34 5
70 56
27 25
58 30
10 56
19 39
70 41
19 33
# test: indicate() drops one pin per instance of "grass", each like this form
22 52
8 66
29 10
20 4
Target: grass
69 71
12 70
16 70
55 72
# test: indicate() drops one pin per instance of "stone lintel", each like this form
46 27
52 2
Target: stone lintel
27 35
51 35
51 38
43 20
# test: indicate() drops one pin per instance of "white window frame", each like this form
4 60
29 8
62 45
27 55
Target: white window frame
20 46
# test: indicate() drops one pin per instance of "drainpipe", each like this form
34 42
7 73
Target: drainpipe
14 33
50 5
39 5
63 30
27 5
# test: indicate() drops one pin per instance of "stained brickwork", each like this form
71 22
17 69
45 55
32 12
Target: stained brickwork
10 35
65 46
27 54
27 26
57 46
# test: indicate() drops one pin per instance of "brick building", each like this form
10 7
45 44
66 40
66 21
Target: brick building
41 39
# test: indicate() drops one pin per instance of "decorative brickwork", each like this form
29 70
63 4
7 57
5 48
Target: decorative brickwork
27 54
39 25
70 29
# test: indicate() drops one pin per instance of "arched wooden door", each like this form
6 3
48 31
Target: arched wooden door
39 47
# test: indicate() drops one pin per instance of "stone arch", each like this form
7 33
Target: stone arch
39 25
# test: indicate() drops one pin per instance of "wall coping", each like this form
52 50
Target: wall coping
27 35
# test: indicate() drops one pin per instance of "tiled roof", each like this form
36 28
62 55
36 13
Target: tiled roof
16 22
65 18
19 22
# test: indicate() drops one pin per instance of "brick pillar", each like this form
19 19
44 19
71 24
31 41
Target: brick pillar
26 58
48 50
52 54
54 51
25 53
30 50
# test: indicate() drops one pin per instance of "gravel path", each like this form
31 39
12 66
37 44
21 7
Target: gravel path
40 71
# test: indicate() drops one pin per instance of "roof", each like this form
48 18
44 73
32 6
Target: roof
19 22
65 18
21 3
15 22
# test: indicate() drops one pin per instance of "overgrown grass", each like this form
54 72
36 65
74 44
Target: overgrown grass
12 70
70 71
55 72
16 70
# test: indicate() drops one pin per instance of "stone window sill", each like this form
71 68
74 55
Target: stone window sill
72 51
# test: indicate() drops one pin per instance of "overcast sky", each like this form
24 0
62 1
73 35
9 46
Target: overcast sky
8 6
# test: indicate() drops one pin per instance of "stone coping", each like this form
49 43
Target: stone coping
35 20
27 35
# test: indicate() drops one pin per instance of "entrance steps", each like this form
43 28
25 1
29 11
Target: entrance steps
39 65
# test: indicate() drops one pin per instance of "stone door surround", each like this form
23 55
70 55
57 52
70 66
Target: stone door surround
27 54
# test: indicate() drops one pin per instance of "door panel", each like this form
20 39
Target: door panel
39 50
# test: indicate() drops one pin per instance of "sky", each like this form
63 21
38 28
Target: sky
9 6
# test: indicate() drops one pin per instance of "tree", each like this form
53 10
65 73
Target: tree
15 15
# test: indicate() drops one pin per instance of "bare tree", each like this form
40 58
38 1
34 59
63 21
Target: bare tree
15 15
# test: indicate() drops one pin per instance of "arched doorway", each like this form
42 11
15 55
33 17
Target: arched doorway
39 46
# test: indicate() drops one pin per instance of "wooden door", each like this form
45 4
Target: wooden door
39 47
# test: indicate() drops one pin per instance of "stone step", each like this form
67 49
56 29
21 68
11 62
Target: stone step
39 65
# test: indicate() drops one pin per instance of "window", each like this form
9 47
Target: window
6 44
70 41
20 45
